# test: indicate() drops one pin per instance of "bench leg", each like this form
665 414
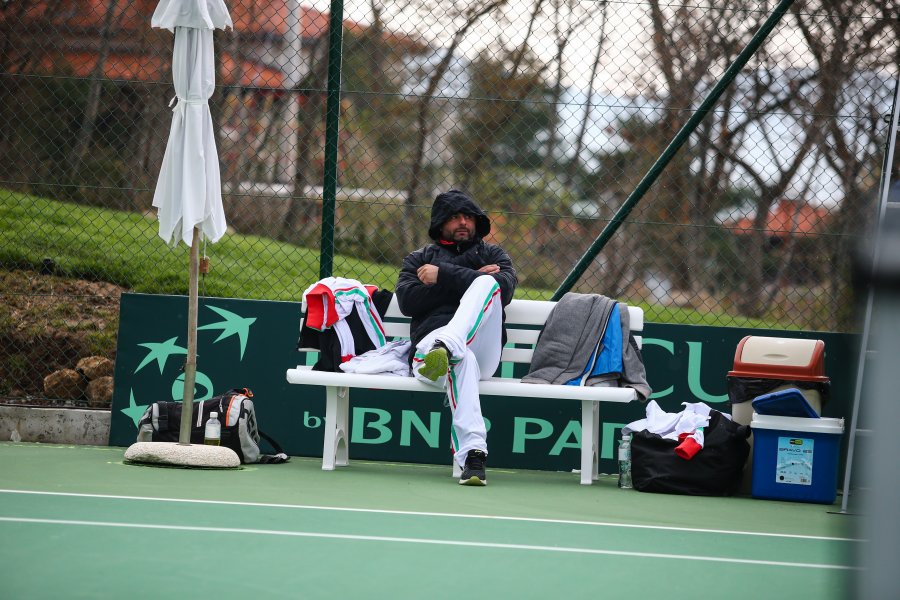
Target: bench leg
590 432
334 447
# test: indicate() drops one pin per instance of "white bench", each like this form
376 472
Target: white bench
524 318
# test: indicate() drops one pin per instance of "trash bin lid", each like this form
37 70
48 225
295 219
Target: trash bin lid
784 403
824 425
780 358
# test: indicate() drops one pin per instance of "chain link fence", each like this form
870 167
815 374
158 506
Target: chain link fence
548 112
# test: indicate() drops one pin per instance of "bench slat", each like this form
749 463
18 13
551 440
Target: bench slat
399 330
522 336
526 312
517 355
529 313
495 386
513 336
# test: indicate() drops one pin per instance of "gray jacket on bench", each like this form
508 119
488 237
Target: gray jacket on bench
572 332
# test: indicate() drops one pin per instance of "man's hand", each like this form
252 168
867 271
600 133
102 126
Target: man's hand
428 274
489 269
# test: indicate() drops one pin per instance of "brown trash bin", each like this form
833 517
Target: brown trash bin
768 364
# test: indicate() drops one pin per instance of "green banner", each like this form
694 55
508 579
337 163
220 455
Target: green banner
252 343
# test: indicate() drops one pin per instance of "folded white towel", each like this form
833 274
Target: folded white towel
390 359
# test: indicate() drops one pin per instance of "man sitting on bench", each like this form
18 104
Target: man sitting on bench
454 291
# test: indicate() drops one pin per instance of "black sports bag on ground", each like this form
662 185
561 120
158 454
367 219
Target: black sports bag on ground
716 470
161 422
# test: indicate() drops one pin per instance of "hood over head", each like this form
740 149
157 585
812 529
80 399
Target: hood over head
451 202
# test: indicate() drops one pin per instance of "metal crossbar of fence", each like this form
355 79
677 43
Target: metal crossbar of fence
338 123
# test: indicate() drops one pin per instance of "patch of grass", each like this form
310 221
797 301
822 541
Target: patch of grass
17 368
654 313
124 248
103 343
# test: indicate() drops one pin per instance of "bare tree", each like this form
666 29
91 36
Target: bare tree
312 90
89 118
153 117
148 144
771 187
713 171
575 18
692 45
466 17
502 79
575 163
847 40
236 113
25 28
376 57
781 278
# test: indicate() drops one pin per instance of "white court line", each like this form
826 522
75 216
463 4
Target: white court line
378 538
437 514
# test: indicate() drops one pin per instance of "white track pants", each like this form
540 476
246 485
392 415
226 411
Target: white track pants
473 337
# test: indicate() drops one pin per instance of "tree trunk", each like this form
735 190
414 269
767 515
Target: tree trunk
562 42
303 212
235 148
19 40
89 119
575 163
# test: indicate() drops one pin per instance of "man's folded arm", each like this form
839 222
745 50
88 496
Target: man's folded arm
414 297
506 277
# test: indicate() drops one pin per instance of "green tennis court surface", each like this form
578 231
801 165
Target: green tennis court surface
76 522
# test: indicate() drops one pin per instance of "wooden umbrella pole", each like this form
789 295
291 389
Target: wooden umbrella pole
190 365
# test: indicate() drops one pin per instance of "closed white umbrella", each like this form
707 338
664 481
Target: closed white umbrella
189 190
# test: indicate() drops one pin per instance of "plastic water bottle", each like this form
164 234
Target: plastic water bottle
213 434
625 462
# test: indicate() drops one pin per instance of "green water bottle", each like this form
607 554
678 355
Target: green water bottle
213 433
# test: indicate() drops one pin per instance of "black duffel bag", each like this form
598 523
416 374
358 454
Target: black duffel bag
716 470
161 422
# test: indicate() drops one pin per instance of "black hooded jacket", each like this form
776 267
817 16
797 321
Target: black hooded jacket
432 306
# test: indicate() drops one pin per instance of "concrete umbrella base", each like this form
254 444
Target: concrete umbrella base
173 454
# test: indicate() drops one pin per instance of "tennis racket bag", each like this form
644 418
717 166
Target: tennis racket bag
161 422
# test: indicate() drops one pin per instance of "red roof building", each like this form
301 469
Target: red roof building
787 218
65 36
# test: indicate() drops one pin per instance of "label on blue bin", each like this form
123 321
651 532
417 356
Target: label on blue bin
795 461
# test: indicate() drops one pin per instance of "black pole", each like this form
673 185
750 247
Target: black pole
332 126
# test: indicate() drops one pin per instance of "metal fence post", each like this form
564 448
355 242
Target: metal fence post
332 126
